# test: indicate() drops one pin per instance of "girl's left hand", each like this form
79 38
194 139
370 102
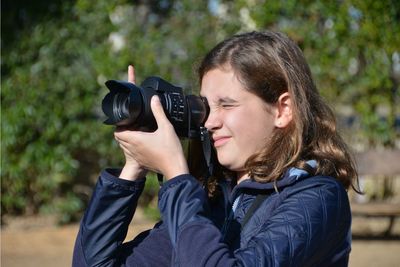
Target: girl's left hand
159 151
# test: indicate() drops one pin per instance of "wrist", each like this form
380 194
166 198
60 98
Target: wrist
178 168
132 172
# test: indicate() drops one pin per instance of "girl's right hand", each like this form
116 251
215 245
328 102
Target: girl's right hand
132 169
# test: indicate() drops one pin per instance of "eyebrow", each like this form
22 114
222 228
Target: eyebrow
226 100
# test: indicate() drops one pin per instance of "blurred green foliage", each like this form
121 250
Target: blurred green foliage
56 58
52 138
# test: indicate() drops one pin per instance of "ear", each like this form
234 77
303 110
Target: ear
284 110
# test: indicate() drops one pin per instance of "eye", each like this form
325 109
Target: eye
227 105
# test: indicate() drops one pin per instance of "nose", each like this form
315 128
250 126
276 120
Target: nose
213 121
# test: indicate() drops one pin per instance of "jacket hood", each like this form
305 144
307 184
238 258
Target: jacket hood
291 176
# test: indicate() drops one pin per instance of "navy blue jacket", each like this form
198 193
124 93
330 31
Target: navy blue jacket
304 221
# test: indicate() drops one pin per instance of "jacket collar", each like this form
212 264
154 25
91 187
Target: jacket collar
291 176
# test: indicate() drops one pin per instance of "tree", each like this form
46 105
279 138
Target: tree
53 138
56 58
55 62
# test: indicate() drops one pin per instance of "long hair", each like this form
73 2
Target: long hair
269 64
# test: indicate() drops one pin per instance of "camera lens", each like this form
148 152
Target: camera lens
121 106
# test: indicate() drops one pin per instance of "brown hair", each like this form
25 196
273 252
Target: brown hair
269 64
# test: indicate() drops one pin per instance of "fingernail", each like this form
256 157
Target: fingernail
156 99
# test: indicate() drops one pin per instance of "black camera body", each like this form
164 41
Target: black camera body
128 104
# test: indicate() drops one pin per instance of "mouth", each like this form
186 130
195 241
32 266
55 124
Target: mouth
220 140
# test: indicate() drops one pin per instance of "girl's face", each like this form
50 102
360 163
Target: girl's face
240 122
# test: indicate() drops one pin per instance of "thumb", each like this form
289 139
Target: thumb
158 111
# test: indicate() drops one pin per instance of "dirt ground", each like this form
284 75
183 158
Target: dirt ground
35 242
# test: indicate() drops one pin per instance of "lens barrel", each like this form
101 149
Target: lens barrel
121 106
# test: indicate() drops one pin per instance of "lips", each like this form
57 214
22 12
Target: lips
220 140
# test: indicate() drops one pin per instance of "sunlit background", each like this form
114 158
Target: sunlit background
56 56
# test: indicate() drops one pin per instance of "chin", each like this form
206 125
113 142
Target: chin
226 164
232 166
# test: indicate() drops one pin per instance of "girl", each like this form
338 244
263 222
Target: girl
278 195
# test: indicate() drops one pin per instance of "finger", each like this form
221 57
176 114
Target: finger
158 111
122 136
131 74
124 147
129 137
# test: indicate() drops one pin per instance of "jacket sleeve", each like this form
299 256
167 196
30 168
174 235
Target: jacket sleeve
292 236
105 225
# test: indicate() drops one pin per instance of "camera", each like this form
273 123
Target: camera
128 104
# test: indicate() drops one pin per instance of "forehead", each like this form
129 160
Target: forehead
221 82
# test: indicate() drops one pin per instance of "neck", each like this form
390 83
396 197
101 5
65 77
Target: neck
241 176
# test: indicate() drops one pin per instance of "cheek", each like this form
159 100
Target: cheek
237 124
257 131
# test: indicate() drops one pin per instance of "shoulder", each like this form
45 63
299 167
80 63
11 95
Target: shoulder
301 217
323 192
309 212
319 203
318 181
